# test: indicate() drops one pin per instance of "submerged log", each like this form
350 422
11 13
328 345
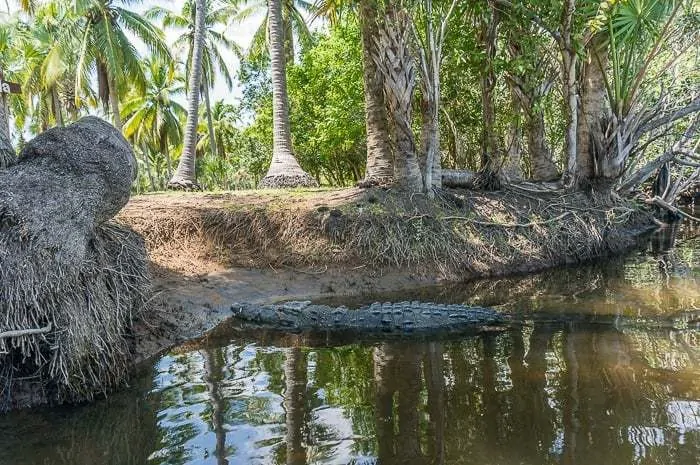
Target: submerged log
64 266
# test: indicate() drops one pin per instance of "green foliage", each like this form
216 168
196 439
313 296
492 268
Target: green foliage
327 115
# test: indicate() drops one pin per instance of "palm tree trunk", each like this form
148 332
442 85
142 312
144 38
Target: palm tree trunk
380 169
56 106
185 177
395 61
284 169
147 162
114 104
210 122
165 150
7 152
593 110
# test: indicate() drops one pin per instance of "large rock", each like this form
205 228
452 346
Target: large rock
66 273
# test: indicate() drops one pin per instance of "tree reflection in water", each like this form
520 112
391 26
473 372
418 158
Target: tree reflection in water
543 393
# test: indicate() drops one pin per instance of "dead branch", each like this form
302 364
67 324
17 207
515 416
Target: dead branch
659 202
25 332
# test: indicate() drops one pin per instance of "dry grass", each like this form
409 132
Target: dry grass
460 235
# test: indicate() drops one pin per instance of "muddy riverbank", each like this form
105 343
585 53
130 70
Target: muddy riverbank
209 250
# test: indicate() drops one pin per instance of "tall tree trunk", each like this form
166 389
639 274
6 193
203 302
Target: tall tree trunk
210 121
397 66
114 104
147 162
294 405
165 150
511 168
570 88
430 144
543 168
594 110
380 169
185 177
56 107
284 169
489 175
7 152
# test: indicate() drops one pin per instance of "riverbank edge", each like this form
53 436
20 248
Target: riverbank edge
261 247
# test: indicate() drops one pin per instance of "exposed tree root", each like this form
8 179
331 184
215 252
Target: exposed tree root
284 181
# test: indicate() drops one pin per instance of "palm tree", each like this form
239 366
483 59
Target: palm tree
185 176
224 118
284 169
293 23
7 152
380 167
153 117
102 27
48 66
215 42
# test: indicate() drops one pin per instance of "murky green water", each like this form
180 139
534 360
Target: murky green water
544 393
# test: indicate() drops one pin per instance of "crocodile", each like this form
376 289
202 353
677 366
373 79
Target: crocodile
404 318
396 318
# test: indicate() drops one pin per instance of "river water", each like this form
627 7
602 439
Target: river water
608 385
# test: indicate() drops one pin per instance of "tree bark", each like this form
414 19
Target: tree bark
397 66
569 88
594 109
284 169
210 122
543 168
7 152
380 168
430 144
185 177
56 106
511 169
114 103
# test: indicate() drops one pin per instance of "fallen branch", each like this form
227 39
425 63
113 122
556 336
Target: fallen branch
25 332
509 225
676 211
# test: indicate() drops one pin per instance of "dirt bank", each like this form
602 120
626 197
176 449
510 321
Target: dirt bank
209 250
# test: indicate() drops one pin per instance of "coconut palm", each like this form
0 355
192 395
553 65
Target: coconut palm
284 169
379 161
153 117
185 176
48 66
293 24
102 27
215 43
224 118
